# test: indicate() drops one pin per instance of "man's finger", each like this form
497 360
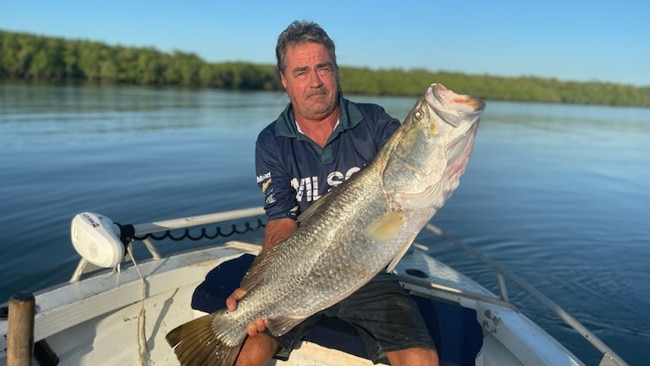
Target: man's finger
231 301
261 325
252 330
256 327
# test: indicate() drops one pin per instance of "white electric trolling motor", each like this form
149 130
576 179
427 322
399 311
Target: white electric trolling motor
98 239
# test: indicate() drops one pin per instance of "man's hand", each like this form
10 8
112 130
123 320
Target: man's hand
275 232
254 328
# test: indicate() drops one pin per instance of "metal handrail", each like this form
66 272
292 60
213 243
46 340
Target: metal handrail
608 354
187 222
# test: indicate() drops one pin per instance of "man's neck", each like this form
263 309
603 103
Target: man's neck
319 131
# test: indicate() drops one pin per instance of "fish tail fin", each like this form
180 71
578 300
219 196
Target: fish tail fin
197 342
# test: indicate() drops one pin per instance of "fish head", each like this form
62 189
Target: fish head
430 151
453 110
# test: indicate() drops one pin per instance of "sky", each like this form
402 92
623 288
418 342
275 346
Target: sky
606 41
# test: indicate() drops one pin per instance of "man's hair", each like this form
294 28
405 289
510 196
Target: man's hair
300 32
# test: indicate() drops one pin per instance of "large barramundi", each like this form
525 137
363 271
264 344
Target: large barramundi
350 234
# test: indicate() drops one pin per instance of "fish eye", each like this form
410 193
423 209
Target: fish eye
418 114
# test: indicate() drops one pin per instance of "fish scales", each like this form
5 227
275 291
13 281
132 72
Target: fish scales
350 234
325 264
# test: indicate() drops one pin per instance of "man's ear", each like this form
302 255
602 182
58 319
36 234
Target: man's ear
283 80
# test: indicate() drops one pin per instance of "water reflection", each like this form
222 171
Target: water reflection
78 114
557 194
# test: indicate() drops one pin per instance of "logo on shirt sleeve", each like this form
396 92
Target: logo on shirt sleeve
265 179
266 185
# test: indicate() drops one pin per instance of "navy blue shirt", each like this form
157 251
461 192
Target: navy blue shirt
293 171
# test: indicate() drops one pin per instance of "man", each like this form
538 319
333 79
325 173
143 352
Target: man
316 143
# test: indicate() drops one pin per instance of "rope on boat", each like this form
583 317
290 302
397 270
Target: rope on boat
186 234
143 349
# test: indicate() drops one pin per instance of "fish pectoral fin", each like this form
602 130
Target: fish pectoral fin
283 324
399 255
386 226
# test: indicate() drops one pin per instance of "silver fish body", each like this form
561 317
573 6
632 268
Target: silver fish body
350 234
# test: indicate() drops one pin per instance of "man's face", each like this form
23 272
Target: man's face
310 81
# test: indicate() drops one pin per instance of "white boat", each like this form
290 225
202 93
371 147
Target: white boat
120 315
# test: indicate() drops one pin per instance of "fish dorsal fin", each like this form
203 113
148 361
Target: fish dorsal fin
281 325
256 271
399 255
386 226
316 206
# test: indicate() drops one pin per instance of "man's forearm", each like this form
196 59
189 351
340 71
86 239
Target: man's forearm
278 230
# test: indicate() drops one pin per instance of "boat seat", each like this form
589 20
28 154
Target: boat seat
458 343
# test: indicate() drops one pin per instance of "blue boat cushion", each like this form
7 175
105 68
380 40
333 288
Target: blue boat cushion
454 329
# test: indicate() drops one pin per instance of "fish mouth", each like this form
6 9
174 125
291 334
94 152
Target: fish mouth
451 107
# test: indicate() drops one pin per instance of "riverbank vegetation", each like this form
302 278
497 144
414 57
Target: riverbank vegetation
39 58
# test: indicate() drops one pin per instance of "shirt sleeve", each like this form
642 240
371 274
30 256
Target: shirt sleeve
273 178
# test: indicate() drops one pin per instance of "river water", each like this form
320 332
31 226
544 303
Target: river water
557 194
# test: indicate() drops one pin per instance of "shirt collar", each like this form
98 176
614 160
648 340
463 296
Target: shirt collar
349 117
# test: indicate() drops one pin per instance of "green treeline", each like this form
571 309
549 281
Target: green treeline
31 57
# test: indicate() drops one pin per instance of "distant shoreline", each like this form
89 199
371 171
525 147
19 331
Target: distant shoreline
35 58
